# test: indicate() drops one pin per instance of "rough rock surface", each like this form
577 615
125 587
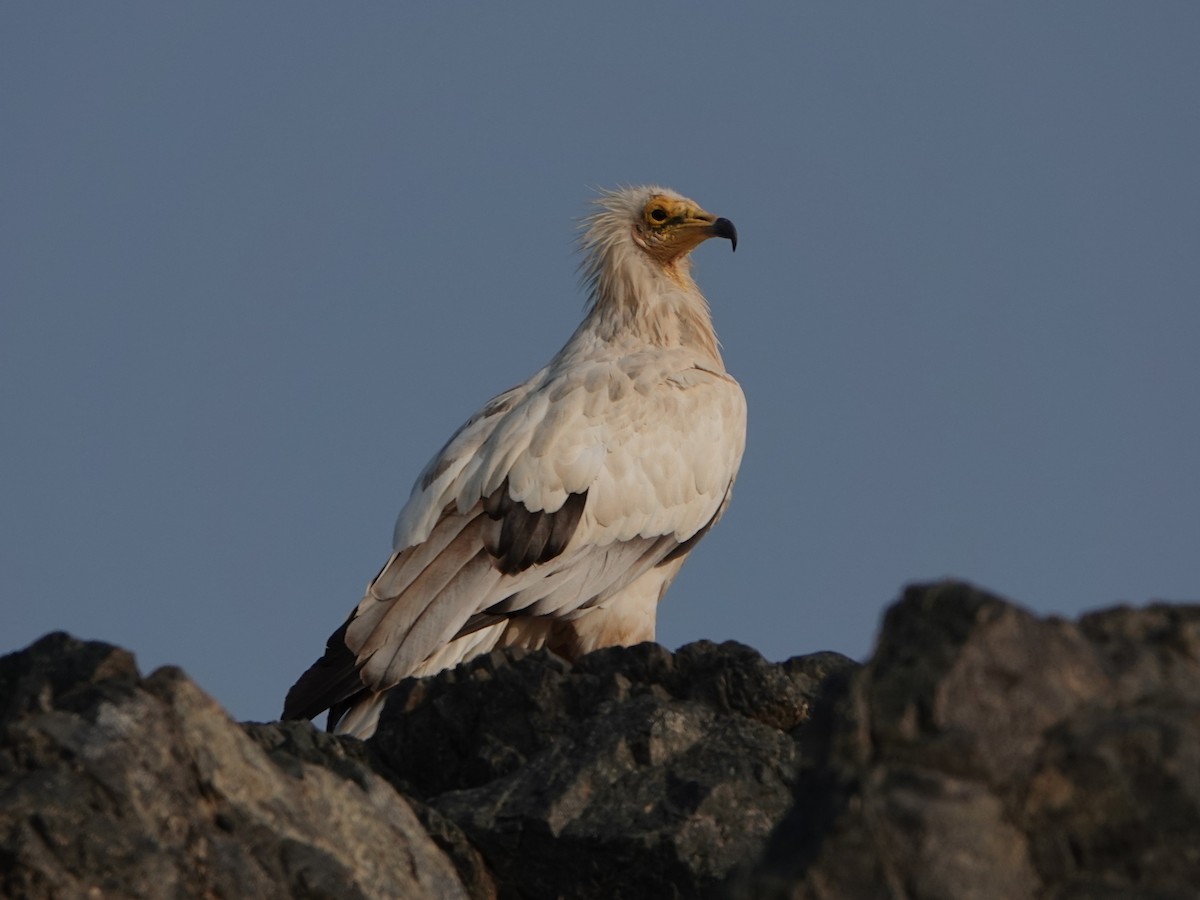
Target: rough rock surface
114 785
633 773
987 753
982 753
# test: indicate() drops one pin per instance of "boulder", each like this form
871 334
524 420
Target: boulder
988 753
633 773
115 785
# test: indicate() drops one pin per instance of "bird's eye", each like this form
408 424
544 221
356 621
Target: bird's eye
658 214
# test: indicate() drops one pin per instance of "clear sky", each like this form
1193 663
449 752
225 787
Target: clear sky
257 261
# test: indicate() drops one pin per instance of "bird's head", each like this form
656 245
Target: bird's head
670 226
661 223
636 268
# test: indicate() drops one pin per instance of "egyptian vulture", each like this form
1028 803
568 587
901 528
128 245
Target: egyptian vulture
558 515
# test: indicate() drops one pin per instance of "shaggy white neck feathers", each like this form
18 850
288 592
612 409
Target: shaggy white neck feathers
633 295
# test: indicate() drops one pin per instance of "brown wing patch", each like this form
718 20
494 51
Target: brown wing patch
527 537
435 471
331 680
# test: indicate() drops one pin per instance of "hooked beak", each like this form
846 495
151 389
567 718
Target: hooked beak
712 226
723 228
687 226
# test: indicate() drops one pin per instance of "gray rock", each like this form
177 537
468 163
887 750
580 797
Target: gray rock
982 753
987 753
293 745
115 785
633 773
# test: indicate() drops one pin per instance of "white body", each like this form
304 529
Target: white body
595 474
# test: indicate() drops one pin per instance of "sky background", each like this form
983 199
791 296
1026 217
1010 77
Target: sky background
257 261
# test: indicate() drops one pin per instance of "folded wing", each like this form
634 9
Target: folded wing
547 504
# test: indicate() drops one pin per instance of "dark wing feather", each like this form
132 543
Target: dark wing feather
330 680
517 539
528 537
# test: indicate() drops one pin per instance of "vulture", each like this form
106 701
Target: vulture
558 515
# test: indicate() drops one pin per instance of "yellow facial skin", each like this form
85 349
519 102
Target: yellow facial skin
671 228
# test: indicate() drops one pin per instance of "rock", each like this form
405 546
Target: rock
983 752
633 773
116 785
987 753
292 745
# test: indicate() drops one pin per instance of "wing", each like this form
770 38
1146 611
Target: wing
553 498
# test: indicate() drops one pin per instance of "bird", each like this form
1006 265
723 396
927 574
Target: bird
558 515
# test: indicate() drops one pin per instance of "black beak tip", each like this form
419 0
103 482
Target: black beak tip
724 228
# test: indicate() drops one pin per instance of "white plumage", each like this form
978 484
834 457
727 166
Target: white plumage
559 514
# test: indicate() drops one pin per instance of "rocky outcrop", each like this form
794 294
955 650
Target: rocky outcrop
634 773
987 753
115 785
982 752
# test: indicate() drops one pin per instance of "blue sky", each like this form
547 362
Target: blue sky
257 262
